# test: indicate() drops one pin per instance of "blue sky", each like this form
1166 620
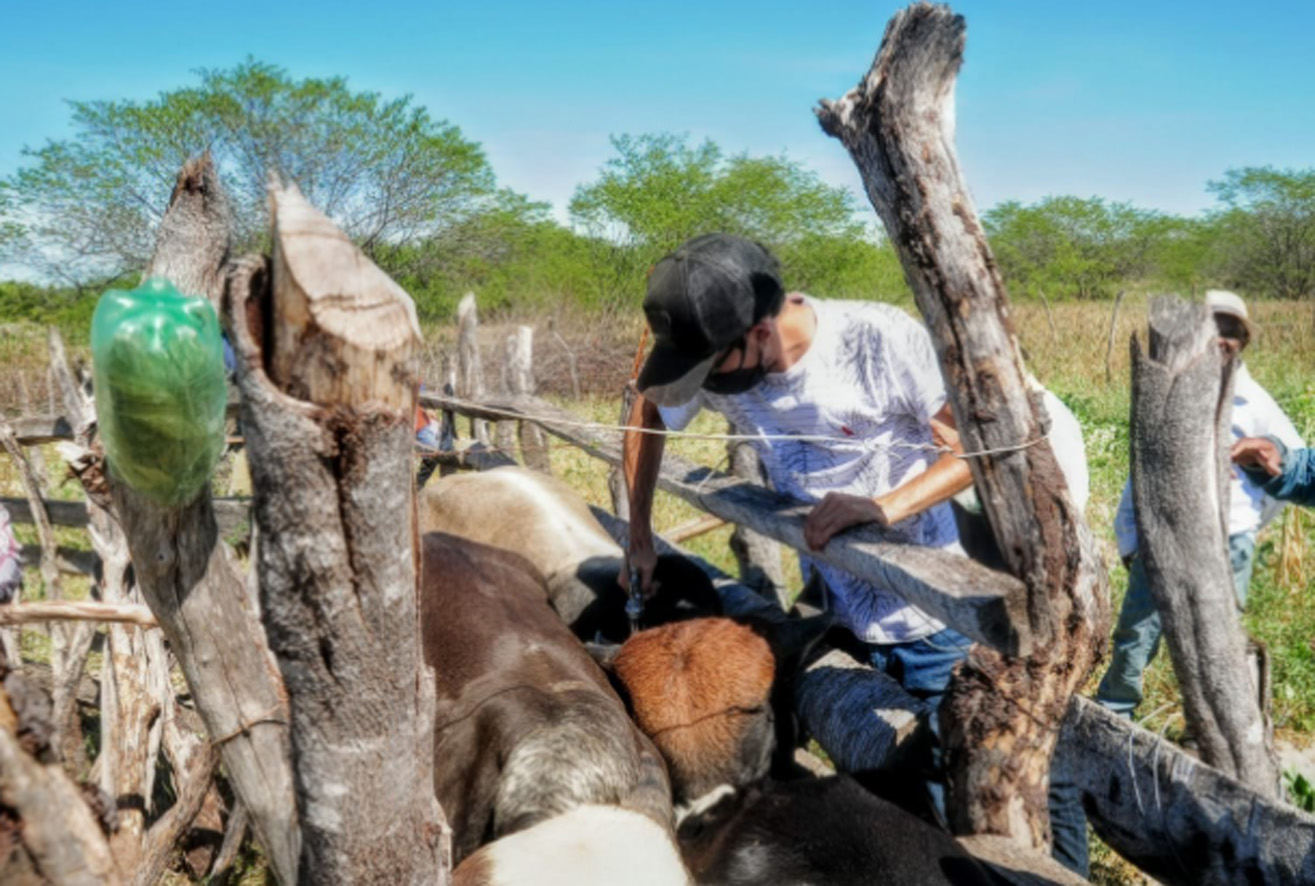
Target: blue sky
1132 101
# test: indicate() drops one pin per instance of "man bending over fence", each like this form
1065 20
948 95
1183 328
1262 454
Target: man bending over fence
850 407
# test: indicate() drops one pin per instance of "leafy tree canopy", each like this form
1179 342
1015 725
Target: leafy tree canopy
659 191
384 170
1266 228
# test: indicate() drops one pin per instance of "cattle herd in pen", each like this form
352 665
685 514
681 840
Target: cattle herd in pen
567 752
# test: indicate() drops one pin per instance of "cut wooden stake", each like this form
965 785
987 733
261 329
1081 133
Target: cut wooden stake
520 368
329 432
1182 403
470 369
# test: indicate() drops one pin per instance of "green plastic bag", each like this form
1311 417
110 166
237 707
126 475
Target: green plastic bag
158 361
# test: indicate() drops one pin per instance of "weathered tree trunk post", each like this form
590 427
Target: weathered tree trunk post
1001 715
1181 412
328 406
192 581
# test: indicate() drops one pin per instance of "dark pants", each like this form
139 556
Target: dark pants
923 667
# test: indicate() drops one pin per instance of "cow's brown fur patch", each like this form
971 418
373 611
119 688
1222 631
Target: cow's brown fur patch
698 689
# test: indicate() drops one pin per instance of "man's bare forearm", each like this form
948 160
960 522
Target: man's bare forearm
944 478
642 460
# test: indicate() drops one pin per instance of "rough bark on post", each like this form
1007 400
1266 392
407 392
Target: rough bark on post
470 370
758 556
1001 714
193 583
1181 420
330 430
520 369
504 432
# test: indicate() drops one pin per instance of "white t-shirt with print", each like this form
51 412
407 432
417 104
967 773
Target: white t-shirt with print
870 383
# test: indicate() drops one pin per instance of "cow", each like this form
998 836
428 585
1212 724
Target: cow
529 737
703 691
548 523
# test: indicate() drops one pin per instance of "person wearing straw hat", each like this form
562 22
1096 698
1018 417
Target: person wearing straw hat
1250 507
850 410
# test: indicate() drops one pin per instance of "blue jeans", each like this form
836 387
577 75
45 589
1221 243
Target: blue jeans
923 667
1137 635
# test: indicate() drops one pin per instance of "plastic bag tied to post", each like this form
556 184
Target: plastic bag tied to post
158 363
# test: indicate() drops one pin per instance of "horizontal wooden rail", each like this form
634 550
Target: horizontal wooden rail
981 603
230 513
70 561
76 610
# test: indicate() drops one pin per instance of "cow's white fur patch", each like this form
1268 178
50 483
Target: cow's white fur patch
588 846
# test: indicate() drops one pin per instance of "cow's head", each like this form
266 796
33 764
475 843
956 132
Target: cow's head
703 690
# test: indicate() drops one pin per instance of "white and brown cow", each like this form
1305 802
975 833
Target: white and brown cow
549 524
532 747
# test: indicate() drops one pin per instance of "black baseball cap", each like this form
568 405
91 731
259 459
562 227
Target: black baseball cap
702 299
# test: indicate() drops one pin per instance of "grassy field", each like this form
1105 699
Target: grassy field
1065 347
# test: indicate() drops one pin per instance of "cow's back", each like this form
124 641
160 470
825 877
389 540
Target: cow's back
515 509
526 725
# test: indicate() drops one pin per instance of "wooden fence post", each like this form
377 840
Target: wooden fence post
329 409
1001 714
192 581
470 370
1181 412
520 368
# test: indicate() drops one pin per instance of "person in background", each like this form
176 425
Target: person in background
11 566
1255 414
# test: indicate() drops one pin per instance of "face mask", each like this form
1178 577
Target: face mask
737 381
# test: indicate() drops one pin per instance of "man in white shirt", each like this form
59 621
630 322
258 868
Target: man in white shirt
850 405
1255 414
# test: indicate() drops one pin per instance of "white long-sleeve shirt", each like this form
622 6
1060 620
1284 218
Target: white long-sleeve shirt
1255 414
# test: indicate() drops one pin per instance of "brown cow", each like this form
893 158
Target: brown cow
528 729
703 691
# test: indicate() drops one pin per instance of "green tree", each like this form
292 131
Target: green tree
659 191
1087 247
383 169
1266 230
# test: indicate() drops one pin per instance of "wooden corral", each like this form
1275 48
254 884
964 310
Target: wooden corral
307 674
